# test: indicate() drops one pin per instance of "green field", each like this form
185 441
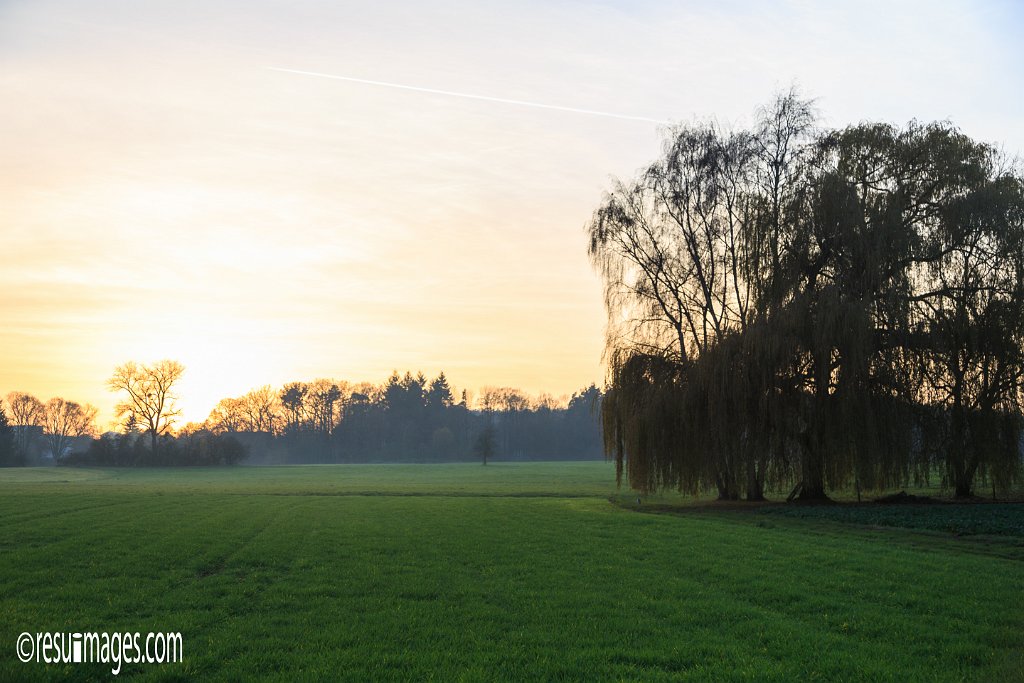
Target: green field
513 571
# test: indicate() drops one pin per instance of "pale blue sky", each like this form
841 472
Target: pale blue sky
165 194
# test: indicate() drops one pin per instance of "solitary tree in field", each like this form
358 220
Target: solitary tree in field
150 398
485 444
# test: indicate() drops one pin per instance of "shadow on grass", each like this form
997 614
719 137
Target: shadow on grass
979 527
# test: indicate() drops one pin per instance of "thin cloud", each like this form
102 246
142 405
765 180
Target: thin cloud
470 96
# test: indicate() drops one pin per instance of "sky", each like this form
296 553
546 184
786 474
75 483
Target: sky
271 191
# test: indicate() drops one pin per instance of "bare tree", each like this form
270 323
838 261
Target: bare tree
503 399
325 401
64 421
26 411
150 394
485 444
227 416
262 410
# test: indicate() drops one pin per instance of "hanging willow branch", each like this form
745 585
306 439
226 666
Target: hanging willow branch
832 308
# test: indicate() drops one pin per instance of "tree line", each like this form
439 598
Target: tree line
27 425
814 309
408 418
405 419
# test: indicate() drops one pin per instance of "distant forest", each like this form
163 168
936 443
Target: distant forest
408 418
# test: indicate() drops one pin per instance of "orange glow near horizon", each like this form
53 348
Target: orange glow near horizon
165 195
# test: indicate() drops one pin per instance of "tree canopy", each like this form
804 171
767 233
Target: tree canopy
151 401
792 305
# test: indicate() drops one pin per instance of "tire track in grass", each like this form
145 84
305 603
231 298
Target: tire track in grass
243 584
89 545
524 586
19 508
416 494
138 530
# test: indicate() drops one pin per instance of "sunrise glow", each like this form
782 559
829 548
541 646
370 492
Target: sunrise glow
406 191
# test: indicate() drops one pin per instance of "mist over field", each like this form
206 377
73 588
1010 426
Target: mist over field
511 341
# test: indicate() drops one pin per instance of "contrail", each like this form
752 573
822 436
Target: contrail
469 96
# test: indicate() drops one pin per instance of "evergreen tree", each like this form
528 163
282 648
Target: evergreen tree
9 454
440 394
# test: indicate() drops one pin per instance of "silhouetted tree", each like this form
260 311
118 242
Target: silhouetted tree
485 444
408 419
261 410
149 389
63 421
439 396
323 401
198 446
822 307
688 254
293 398
9 454
228 416
26 412
969 301
193 446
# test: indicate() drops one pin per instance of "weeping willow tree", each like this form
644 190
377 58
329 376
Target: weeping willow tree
970 302
788 306
692 254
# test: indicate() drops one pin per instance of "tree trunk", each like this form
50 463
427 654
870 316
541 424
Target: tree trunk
726 488
964 483
963 466
813 491
812 462
812 468
755 484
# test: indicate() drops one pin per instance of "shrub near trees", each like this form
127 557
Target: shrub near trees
190 447
820 308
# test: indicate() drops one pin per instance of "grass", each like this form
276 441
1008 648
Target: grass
513 571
